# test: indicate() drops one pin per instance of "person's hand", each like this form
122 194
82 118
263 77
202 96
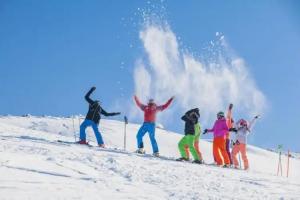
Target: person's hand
257 116
205 131
233 130
93 88
173 97
230 106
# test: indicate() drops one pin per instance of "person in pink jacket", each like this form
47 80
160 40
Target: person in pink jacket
220 129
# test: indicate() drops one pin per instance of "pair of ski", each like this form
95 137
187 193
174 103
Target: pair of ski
145 155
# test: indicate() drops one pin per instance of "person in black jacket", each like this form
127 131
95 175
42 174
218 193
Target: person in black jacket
190 130
93 118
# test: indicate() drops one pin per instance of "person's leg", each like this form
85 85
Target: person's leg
191 140
235 151
244 156
142 131
97 133
83 126
187 151
222 147
228 150
151 130
196 145
216 152
181 146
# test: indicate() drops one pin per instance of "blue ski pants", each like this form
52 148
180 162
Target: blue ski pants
94 126
150 128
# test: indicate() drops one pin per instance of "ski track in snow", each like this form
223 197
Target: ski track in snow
33 165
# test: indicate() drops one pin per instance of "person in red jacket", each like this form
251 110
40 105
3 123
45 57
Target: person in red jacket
150 111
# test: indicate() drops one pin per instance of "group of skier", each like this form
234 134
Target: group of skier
221 130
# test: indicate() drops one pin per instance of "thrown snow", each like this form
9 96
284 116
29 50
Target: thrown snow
35 166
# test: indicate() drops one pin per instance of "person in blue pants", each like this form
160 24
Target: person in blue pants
150 128
93 118
150 111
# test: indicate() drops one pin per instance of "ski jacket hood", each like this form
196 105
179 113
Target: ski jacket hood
191 119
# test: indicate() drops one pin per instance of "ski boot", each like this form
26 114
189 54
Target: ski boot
182 159
226 166
102 145
140 151
156 154
198 161
82 142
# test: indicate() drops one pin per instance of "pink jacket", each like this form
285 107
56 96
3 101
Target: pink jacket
220 128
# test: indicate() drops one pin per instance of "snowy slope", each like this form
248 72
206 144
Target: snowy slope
35 166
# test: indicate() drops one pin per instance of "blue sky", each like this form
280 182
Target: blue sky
51 52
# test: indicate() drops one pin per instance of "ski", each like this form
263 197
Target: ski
145 155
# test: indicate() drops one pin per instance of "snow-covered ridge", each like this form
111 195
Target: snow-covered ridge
35 166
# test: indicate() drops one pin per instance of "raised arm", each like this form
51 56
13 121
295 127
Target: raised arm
103 112
166 105
252 122
138 103
229 116
88 94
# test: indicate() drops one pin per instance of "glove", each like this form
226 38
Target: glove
205 131
237 142
257 116
93 88
230 106
233 130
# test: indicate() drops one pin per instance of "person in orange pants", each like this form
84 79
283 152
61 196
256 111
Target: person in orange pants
242 130
240 147
219 143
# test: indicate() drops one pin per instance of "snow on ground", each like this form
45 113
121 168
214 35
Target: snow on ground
33 165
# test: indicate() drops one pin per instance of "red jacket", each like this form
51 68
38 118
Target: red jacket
150 110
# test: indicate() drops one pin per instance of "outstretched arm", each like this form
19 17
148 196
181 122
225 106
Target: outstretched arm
252 122
88 94
103 112
138 103
166 105
229 116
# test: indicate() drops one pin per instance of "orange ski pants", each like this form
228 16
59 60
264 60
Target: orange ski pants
219 151
240 148
196 145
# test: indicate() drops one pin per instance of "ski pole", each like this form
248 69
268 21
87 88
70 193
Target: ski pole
240 161
288 164
73 127
125 123
279 167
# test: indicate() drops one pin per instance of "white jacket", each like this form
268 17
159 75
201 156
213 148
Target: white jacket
242 132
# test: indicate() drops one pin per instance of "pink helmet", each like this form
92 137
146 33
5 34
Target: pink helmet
243 122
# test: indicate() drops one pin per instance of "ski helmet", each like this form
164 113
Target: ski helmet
151 101
243 123
220 114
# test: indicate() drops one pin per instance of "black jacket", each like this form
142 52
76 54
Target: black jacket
95 110
191 118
